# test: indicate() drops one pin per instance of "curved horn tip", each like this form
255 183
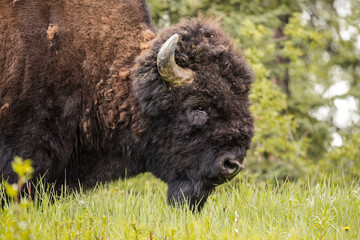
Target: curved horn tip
167 50
174 37
171 41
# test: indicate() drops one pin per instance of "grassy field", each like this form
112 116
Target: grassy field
242 209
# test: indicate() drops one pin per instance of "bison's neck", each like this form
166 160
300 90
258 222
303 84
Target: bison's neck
114 102
109 35
106 36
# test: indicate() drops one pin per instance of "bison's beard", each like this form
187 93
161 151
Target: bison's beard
194 194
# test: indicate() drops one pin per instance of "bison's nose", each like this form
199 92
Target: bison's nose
231 167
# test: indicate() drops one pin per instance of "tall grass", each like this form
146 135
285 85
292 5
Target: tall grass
137 209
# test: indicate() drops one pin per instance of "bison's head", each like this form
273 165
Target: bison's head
192 86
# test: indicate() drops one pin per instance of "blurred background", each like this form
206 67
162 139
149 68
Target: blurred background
305 98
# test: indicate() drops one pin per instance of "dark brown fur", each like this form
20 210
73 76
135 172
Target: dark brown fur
74 99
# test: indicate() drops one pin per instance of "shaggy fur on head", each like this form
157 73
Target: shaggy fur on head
81 95
186 143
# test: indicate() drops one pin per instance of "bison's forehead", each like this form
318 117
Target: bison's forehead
205 46
221 72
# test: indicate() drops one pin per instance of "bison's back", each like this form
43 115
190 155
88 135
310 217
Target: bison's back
53 54
61 41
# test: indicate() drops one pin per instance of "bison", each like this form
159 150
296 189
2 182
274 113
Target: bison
92 92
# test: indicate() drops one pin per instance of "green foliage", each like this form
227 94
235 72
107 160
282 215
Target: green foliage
344 159
273 142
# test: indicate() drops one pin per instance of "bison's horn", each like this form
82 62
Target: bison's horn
169 71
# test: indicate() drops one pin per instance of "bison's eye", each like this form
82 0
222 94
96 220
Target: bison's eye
197 116
200 108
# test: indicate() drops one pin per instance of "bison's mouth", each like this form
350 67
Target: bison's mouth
195 194
186 192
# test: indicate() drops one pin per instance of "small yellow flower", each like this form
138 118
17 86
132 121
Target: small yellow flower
23 168
11 189
346 228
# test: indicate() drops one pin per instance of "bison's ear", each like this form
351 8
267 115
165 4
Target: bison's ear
169 71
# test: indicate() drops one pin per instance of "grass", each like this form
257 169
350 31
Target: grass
242 209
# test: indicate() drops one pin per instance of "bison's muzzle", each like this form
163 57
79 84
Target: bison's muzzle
195 191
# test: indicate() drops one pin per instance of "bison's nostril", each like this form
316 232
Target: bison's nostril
231 167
